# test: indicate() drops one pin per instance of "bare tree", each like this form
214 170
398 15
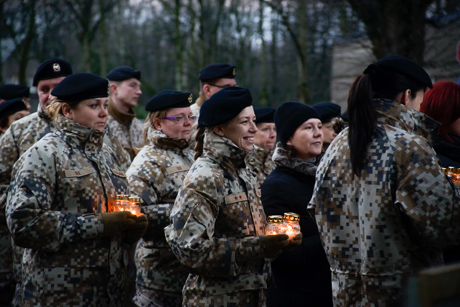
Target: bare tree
394 26
18 23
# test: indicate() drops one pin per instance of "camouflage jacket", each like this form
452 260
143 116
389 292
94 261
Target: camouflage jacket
21 135
129 134
62 185
156 175
260 163
216 223
390 222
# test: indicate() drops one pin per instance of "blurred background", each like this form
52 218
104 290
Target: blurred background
302 50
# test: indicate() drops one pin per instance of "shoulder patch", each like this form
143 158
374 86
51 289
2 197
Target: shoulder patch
233 198
80 172
177 168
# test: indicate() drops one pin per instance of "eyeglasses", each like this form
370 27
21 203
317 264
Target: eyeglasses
221 86
181 119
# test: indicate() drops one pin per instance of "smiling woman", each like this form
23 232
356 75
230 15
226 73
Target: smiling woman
217 222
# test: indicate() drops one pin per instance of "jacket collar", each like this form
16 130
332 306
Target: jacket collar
161 140
223 149
398 115
280 157
75 134
123 118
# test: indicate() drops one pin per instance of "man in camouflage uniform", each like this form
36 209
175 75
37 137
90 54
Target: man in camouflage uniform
57 208
213 78
260 161
156 175
396 217
217 221
125 90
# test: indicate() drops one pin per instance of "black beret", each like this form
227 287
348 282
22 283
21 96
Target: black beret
265 115
169 99
123 73
51 69
217 71
81 86
403 66
289 116
10 91
224 106
327 110
344 116
11 106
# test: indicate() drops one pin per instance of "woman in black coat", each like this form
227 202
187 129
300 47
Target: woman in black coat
301 277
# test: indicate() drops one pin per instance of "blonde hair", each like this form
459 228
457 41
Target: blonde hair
149 122
55 107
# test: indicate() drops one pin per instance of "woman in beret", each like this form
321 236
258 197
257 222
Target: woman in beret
58 205
260 161
10 111
217 221
301 277
384 207
156 175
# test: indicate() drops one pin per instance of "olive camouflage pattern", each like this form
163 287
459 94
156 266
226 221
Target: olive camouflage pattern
260 163
216 226
156 175
61 186
393 220
130 137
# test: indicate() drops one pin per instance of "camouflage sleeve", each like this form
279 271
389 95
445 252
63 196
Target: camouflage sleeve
31 210
426 195
142 177
8 156
191 233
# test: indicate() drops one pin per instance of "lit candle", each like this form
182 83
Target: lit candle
291 222
274 225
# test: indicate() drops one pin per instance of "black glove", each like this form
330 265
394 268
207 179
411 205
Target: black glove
117 222
273 244
139 227
296 241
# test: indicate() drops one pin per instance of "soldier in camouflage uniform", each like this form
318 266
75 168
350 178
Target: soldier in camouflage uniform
217 221
394 210
25 132
156 175
17 139
59 200
260 161
125 90
213 78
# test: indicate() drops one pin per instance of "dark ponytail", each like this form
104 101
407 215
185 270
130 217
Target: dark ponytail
362 119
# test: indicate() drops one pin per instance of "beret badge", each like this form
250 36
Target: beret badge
190 98
56 67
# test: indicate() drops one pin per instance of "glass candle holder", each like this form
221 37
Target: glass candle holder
135 205
291 224
274 225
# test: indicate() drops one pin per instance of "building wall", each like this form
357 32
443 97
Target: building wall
351 57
